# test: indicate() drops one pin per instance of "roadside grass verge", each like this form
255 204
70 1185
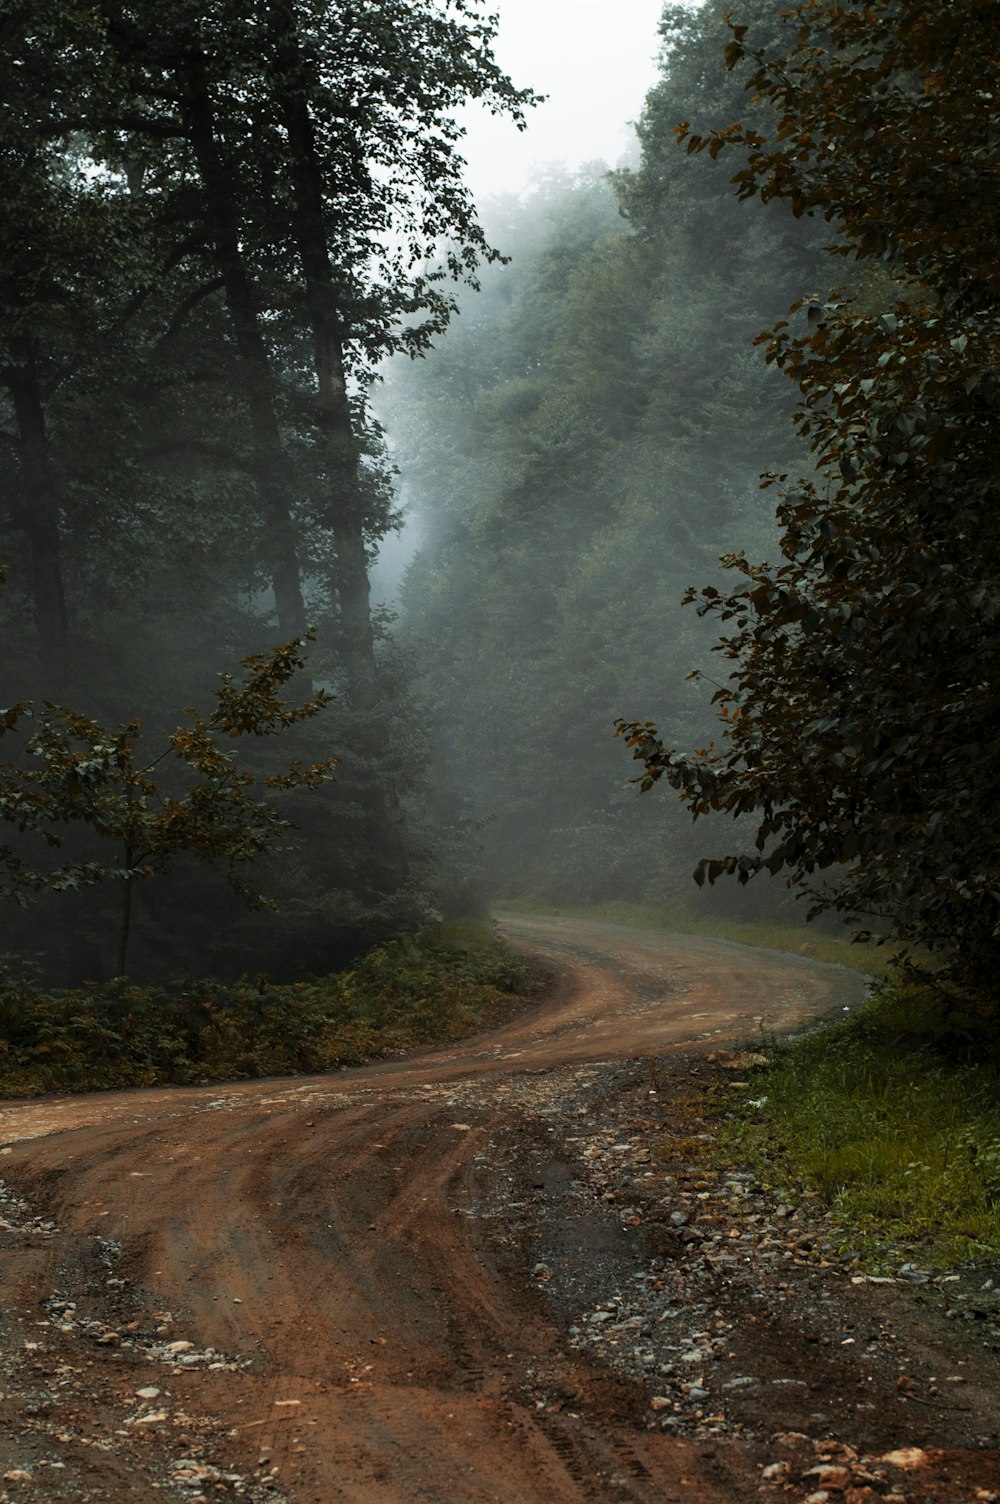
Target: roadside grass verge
889 1120
447 981
800 939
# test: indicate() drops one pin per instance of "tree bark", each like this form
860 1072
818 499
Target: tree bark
333 410
269 466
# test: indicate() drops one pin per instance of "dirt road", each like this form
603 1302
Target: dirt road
329 1289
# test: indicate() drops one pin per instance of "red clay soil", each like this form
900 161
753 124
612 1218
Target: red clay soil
466 1276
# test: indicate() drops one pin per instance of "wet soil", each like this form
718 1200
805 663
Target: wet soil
487 1273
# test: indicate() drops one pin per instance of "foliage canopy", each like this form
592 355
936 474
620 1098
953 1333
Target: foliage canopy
861 711
215 223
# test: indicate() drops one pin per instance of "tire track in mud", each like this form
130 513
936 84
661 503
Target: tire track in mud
328 1238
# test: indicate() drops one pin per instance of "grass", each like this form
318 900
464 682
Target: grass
803 938
437 986
891 1120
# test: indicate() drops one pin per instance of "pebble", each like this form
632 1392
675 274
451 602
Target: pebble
830 1476
717 1225
179 1353
151 1418
906 1457
190 1473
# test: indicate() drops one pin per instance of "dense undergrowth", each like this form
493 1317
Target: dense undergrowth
440 984
891 1118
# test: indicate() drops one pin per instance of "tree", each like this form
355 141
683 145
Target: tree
324 145
861 710
214 229
298 157
121 454
582 443
45 269
76 773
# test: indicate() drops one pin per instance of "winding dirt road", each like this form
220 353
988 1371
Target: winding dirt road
302 1277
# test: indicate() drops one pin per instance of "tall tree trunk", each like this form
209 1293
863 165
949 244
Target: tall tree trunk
384 834
269 465
39 517
333 410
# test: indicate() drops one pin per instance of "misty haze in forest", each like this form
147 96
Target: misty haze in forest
254 325
579 449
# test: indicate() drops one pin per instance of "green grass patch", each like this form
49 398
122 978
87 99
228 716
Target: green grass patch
799 939
891 1119
434 987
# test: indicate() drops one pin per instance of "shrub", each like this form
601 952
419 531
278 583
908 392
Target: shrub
422 990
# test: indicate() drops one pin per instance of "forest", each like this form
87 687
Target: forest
613 417
581 448
216 230
252 324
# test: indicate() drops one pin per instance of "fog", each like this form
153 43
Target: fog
216 442
581 447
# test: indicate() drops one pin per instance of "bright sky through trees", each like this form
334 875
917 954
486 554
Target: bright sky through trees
594 59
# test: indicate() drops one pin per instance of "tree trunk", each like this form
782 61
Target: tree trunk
269 464
39 518
333 411
384 834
